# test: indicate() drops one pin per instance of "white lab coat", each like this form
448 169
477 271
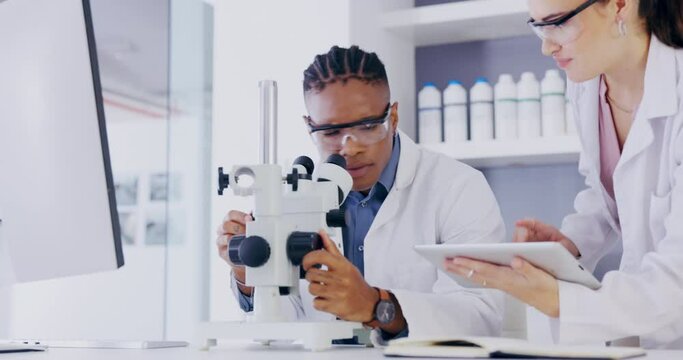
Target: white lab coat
645 297
435 199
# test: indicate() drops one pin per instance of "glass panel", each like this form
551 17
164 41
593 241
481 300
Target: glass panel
189 173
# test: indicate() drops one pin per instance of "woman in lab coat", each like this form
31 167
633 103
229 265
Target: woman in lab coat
625 65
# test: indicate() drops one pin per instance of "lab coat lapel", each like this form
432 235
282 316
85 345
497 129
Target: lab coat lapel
405 173
659 100
588 116
588 101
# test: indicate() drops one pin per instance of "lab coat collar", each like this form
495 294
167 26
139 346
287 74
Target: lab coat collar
660 97
407 162
405 174
587 105
586 101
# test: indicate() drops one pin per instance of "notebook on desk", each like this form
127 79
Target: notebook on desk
489 347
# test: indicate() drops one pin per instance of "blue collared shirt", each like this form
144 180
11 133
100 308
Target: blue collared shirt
361 211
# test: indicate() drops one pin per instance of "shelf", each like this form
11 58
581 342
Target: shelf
460 22
499 153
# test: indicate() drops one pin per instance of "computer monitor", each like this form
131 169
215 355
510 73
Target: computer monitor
57 206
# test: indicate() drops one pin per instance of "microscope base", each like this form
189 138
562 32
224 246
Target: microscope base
315 336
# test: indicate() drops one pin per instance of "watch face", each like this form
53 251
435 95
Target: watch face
385 312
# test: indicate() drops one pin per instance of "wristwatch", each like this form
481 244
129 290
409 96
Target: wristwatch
384 312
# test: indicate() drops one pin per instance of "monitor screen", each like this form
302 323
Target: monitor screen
57 207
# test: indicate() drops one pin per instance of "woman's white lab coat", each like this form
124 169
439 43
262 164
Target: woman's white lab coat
645 297
435 199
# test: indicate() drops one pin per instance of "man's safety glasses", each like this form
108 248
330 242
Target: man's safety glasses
365 132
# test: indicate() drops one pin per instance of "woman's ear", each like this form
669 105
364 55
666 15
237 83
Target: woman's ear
626 9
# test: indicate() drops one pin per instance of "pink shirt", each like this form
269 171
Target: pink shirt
610 151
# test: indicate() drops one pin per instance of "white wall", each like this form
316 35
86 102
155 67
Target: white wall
6 277
5 310
126 304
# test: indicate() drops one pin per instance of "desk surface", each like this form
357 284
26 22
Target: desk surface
237 351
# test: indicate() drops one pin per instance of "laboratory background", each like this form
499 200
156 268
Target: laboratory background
180 88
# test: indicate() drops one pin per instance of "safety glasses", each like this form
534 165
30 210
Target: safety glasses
562 30
367 131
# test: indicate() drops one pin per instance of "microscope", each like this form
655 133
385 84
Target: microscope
289 210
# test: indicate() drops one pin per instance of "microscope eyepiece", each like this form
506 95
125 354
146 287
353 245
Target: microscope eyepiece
334 170
306 162
338 160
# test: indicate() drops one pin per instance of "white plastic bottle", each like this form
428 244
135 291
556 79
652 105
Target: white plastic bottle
481 110
553 104
455 112
528 107
429 114
569 118
506 108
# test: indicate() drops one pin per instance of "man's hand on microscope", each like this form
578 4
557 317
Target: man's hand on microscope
341 289
235 223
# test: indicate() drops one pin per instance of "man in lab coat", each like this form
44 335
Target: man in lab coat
402 196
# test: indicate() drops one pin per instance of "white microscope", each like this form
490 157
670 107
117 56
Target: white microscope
289 210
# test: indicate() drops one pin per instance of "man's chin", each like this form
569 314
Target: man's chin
362 186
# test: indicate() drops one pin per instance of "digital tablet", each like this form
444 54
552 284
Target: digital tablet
549 256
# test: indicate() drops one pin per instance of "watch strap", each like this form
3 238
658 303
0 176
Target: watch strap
383 296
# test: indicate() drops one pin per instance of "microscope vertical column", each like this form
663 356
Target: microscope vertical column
268 206
268 119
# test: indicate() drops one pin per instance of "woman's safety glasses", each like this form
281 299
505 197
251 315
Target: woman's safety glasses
562 30
368 131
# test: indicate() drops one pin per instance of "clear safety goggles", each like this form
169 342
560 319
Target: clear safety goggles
368 131
562 30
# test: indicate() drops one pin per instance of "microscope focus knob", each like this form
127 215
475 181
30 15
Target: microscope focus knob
234 249
254 251
223 181
336 218
301 243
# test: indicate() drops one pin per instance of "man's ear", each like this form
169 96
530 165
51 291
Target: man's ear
394 117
